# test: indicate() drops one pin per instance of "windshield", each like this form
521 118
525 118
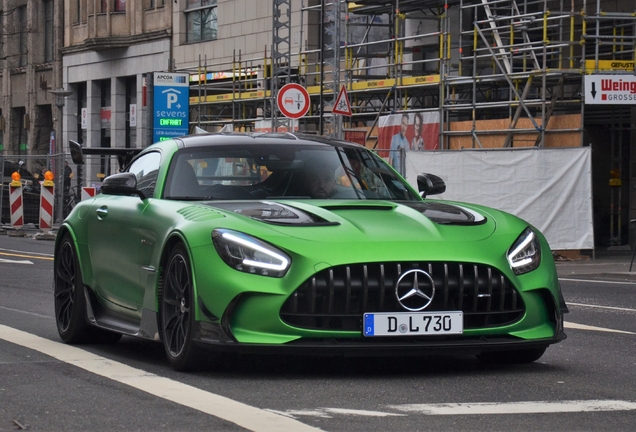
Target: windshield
283 171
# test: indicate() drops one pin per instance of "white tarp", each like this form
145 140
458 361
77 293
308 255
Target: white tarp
550 188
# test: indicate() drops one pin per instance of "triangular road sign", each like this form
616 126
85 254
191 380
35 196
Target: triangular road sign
342 105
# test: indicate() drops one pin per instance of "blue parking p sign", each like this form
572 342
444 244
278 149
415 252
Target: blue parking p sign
171 105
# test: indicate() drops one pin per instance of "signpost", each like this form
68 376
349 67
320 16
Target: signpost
610 89
293 100
171 105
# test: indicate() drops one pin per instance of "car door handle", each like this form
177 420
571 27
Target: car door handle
102 212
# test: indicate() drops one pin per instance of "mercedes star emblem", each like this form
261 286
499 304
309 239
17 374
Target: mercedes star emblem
415 290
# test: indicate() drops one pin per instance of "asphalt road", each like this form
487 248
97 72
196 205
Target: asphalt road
588 382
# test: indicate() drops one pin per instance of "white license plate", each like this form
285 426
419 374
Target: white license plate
413 323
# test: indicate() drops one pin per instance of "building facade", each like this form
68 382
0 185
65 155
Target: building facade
109 49
510 73
29 69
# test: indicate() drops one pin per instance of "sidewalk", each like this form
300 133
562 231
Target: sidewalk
610 264
29 231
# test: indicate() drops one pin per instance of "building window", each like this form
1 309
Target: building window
119 6
116 6
22 36
202 20
1 124
78 11
152 4
48 31
2 55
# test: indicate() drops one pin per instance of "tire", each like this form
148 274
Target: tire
177 313
512 357
70 302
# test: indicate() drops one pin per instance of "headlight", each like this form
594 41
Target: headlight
250 255
525 253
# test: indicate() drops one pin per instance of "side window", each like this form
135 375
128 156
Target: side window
146 169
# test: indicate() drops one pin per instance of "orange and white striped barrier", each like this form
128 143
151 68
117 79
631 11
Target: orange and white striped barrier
15 201
47 200
87 192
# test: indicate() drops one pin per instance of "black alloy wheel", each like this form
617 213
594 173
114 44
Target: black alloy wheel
177 313
69 300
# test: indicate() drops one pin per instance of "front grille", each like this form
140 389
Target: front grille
336 298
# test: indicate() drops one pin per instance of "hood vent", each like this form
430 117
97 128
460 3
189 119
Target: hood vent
447 214
273 213
199 214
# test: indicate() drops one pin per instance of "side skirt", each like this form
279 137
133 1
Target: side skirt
102 317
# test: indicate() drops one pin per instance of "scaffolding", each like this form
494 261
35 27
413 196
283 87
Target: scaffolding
500 73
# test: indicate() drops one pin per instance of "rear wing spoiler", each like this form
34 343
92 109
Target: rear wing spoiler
124 155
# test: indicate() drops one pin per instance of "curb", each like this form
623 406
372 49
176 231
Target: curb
16 233
33 233
45 236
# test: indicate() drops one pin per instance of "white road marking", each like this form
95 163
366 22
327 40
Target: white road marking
246 416
360 412
298 413
7 261
324 413
598 281
25 312
517 407
592 328
478 408
601 307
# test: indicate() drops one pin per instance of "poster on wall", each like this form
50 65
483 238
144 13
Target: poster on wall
104 117
132 111
409 131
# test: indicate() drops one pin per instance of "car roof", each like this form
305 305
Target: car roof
212 139
15 166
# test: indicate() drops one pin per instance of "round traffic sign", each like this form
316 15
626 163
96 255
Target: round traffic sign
293 100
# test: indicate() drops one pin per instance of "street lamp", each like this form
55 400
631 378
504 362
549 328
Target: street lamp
60 94
60 99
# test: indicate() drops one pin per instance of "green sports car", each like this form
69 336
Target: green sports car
298 244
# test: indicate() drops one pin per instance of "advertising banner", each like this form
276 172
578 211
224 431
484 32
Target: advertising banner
412 132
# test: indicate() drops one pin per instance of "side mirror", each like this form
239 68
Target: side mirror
429 184
76 152
121 184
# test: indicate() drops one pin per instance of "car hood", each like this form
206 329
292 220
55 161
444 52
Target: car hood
382 221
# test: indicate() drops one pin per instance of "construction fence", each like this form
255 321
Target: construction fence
66 193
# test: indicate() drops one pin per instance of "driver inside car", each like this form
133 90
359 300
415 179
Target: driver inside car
321 182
